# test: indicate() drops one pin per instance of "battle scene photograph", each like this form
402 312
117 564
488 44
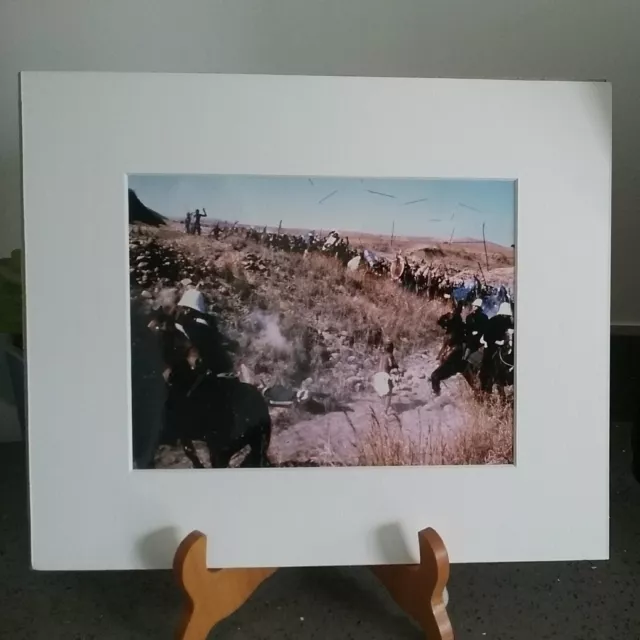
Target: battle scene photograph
316 321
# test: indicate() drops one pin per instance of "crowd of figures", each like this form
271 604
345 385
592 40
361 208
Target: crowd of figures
430 279
478 347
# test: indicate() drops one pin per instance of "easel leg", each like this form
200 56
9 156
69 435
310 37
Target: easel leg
212 595
419 589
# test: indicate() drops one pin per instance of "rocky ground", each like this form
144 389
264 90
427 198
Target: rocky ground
350 434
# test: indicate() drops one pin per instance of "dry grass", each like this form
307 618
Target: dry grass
386 444
309 317
486 438
322 292
488 434
289 322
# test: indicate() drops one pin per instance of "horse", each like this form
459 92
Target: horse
227 414
176 399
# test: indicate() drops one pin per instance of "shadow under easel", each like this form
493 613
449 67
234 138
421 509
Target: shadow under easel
155 548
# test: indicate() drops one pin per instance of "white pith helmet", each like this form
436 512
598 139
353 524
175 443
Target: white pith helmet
477 303
193 299
505 309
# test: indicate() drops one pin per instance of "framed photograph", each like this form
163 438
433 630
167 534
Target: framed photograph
330 310
385 342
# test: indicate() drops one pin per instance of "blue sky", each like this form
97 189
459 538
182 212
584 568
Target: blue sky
302 202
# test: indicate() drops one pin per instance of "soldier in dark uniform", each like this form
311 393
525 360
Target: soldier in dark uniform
475 327
196 220
494 336
197 355
451 354
202 346
215 232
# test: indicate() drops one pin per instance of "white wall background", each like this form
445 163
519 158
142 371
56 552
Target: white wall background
568 39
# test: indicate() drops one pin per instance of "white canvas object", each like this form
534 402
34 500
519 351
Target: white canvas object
83 133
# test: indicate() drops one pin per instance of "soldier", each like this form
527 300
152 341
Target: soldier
451 354
494 336
475 323
196 220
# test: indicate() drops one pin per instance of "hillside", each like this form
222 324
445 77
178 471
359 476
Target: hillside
306 322
139 213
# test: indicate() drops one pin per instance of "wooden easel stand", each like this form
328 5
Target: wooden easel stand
214 594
